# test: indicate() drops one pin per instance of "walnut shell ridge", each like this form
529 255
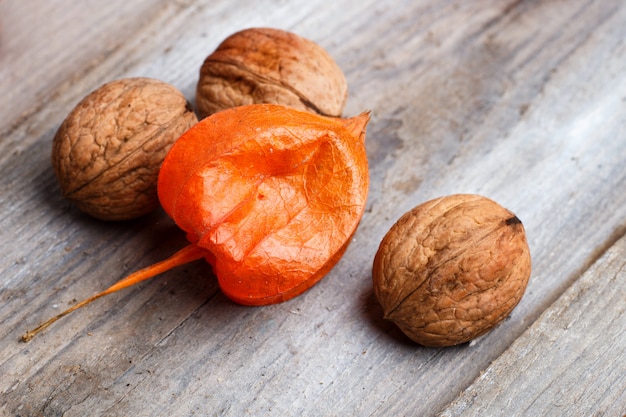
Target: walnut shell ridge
264 65
107 152
451 269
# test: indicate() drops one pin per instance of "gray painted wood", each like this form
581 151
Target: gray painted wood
523 102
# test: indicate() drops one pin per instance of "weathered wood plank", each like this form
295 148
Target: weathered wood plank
494 97
47 45
571 361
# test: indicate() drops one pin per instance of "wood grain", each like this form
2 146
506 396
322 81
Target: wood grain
521 101
571 361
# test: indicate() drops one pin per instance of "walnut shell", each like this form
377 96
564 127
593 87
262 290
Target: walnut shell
451 269
262 65
108 151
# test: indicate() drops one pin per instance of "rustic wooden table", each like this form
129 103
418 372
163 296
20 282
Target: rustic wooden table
521 101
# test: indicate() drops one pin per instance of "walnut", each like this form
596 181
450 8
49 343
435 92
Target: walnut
451 269
261 65
107 152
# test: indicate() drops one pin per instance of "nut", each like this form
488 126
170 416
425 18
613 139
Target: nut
262 65
108 151
451 269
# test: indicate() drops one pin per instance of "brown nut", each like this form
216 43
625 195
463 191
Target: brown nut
108 151
451 269
262 65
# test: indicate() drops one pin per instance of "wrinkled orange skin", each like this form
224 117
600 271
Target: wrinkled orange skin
272 194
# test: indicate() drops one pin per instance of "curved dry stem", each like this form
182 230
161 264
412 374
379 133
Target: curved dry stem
187 254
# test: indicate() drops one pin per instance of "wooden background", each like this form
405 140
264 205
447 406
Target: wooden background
521 101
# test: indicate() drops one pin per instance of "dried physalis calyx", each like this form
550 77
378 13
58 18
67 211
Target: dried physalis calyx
270 196
262 65
107 153
451 269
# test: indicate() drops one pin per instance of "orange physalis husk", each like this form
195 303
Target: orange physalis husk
269 196
272 194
